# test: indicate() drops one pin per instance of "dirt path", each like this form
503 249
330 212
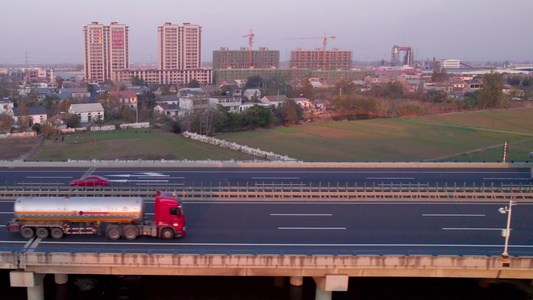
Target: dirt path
19 148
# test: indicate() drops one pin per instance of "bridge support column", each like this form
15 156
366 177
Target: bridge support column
296 288
61 286
297 280
31 281
61 278
330 283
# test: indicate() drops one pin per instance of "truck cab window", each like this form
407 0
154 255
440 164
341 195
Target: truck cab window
175 211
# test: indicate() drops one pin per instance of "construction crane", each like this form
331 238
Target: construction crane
324 42
250 41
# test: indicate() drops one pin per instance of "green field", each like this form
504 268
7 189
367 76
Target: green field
469 136
127 144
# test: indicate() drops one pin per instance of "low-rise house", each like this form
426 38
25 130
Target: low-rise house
274 101
232 104
128 98
88 112
167 99
321 104
246 106
193 99
58 122
438 86
473 84
249 93
77 93
303 102
37 114
232 85
169 110
6 106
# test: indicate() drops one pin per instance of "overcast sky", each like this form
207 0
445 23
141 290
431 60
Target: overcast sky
471 30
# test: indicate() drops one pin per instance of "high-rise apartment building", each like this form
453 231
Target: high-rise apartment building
179 46
106 50
335 59
240 59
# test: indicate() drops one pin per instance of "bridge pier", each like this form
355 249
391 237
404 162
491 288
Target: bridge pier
330 283
61 286
297 280
31 281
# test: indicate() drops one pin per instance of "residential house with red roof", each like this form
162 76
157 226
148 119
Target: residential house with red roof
128 98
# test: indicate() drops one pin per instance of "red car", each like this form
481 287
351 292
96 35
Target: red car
93 180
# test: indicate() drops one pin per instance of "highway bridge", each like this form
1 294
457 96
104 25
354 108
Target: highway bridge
329 221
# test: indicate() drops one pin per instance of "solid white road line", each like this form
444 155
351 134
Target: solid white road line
275 178
506 178
311 228
279 184
40 183
403 185
390 178
155 184
301 215
452 215
473 228
280 244
48 177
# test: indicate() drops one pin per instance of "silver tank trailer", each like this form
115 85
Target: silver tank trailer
80 209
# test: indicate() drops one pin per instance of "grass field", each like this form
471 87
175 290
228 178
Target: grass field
469 136
127 144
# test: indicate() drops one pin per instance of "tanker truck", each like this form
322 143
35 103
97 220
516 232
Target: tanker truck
42 217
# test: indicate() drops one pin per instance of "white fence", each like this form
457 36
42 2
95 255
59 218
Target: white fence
234 146
135 125
103 128
72 130
18 135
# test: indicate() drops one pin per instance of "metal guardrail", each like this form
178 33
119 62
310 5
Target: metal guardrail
277 252
272 192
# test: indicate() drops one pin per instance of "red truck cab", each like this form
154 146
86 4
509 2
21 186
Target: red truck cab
168 215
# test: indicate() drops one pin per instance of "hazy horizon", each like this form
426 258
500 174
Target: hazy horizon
51 31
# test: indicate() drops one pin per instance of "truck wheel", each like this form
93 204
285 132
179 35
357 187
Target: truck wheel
130 233
56 233
167 234
27 232
42 233
113 233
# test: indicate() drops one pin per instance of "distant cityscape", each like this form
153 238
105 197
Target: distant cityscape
182 85
179 47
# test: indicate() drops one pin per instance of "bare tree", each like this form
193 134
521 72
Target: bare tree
6 122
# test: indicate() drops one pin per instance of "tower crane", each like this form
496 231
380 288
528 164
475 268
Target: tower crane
324 42
250 41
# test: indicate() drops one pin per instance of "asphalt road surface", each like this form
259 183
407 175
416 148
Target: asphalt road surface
296 227
266 177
